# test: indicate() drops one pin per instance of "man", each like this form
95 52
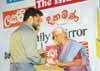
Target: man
72 55
23 43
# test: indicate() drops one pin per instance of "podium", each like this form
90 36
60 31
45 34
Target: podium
48 68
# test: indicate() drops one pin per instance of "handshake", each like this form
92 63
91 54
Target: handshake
41 52
42 55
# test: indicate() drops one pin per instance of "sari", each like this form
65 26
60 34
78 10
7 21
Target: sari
70 51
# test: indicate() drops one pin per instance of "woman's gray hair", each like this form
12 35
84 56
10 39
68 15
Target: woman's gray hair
59 30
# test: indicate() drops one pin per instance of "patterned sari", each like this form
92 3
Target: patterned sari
73 51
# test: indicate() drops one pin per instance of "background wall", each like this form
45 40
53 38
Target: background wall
86 11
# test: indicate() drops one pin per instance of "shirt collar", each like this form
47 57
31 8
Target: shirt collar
28 25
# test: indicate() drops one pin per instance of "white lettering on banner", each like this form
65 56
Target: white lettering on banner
52 3
43 3
7 21
20 15
14 18
61 1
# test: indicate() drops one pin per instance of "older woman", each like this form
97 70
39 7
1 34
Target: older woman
72 55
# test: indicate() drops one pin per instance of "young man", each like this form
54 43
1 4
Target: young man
23 43
72 55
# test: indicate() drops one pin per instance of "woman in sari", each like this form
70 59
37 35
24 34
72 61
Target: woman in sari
72 55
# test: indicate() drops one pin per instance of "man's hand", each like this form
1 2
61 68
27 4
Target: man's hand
42 55
41 52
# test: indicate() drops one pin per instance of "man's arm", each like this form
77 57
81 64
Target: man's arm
30 45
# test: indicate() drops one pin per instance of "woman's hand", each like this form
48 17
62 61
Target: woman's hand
60 64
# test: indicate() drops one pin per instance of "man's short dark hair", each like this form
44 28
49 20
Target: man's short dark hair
31 12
